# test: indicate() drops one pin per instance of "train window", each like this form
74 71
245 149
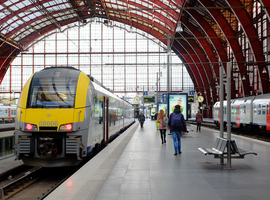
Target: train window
244 109
263 109
53 88
225 110
259 109
255 109
267 109
0 112
6 112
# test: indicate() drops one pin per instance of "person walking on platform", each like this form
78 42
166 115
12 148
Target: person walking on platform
141 118
199 119
177 124
163 123
157 124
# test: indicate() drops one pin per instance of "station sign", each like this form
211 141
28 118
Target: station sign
191 93
145 93
190 99
149 99
164 98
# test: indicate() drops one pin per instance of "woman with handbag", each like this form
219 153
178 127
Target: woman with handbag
162 119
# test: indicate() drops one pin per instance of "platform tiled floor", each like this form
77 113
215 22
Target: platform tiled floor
148 170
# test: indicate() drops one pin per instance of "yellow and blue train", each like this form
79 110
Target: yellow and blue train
63 116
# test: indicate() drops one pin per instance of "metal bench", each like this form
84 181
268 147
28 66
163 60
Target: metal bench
239 151
218 149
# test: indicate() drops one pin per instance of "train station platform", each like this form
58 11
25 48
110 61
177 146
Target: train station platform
137 166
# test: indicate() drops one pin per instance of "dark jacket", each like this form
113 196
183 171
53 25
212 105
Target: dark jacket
183 127
140 117
199 118
156 116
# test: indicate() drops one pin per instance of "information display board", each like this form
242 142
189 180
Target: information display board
162 106
149 99
179 99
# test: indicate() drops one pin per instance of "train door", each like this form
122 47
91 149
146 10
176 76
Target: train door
105 119
8 114
238 115
268 117
219 115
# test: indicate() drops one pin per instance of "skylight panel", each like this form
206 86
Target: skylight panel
15 25
67 5
145 4
26 2
59 1
2 15
9 21
7 3
52 3
4 31
20 5
38 14
38 21
14 8
32 16
114 6
61 7
14 1
46 5
20 22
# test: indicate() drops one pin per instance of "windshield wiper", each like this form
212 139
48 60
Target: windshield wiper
39 106
65 106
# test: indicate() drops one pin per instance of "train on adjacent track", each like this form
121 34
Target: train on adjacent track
249 113
7 112
63 116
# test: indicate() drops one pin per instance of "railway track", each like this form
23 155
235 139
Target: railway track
237 131
36 183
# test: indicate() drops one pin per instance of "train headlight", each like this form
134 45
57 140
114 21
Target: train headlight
31 127
66 127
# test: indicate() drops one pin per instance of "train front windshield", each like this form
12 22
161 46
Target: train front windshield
53 88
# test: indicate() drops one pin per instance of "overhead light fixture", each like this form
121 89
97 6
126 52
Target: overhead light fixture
264 70
244 77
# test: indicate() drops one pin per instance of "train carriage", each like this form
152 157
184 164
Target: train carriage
63 116
251 111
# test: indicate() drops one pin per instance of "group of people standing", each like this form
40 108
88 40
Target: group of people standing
176 123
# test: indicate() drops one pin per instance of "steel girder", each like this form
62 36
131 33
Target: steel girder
266 7
198 56
191 68
231 38
256 46
208 56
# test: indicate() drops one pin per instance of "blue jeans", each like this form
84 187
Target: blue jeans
177 141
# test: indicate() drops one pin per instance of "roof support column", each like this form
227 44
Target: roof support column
168 65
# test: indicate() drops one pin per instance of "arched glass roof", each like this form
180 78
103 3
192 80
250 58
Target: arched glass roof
22 21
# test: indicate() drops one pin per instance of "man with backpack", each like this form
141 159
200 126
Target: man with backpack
177 124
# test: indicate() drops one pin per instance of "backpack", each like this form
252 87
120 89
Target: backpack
141 118
176 121
165 121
